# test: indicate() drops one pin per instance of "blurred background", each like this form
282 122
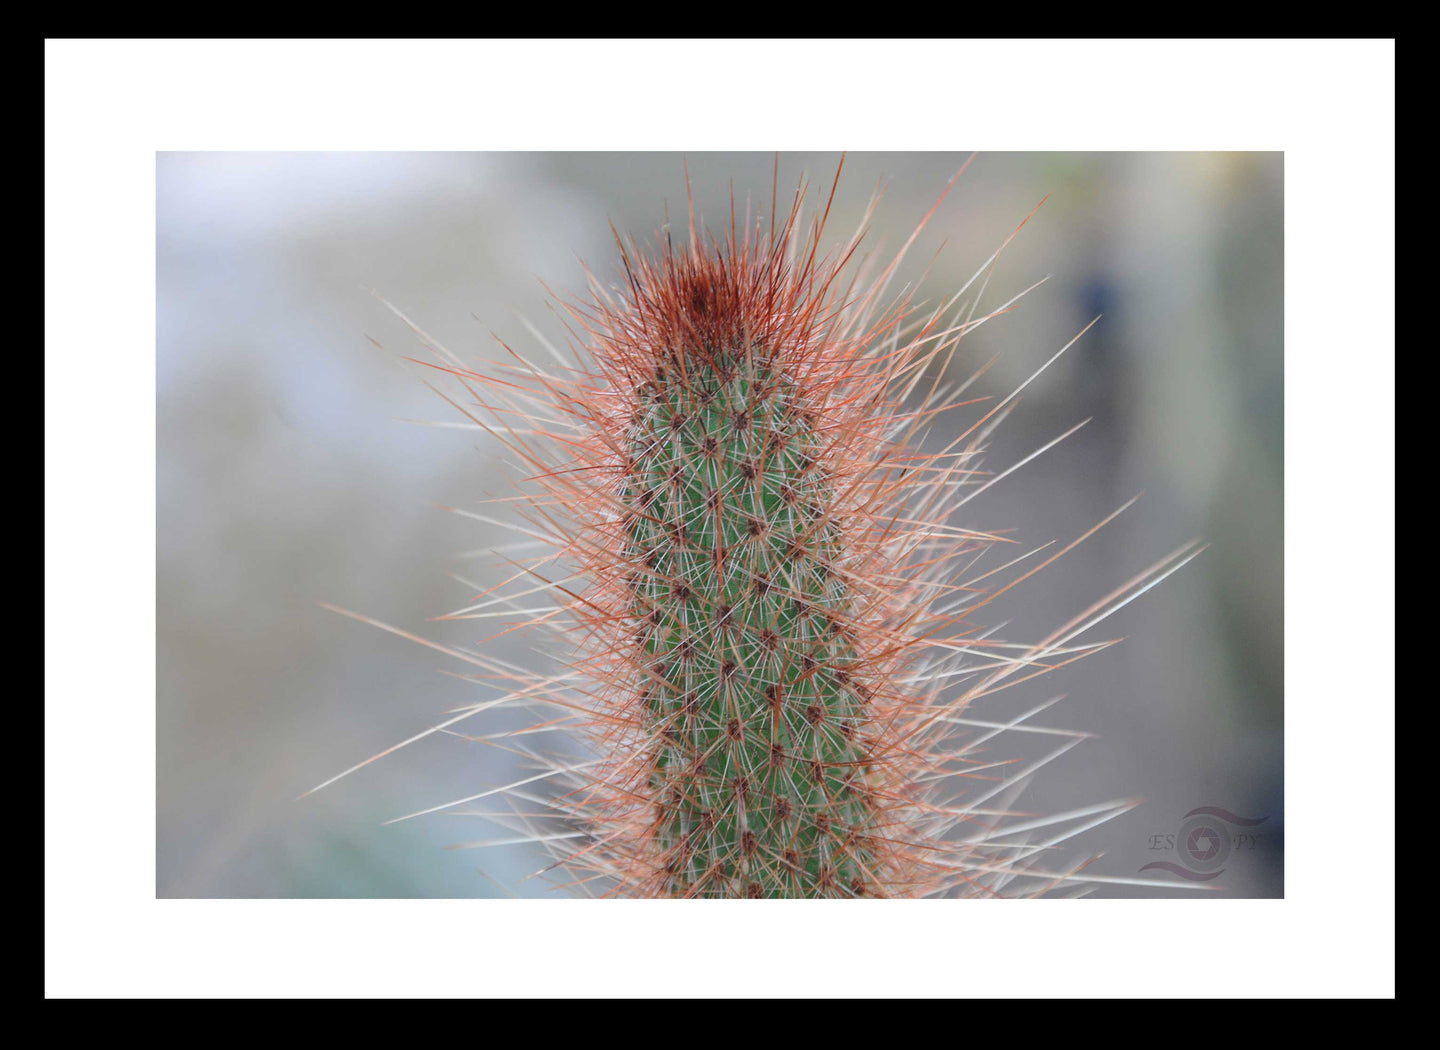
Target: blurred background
288 477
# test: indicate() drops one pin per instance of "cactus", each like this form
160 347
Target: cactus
749 679
762 581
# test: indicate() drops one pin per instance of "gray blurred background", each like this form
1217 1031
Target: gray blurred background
285 479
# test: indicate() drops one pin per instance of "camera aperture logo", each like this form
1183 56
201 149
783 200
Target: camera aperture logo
1207 837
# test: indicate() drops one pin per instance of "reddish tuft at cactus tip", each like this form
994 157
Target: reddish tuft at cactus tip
767 590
